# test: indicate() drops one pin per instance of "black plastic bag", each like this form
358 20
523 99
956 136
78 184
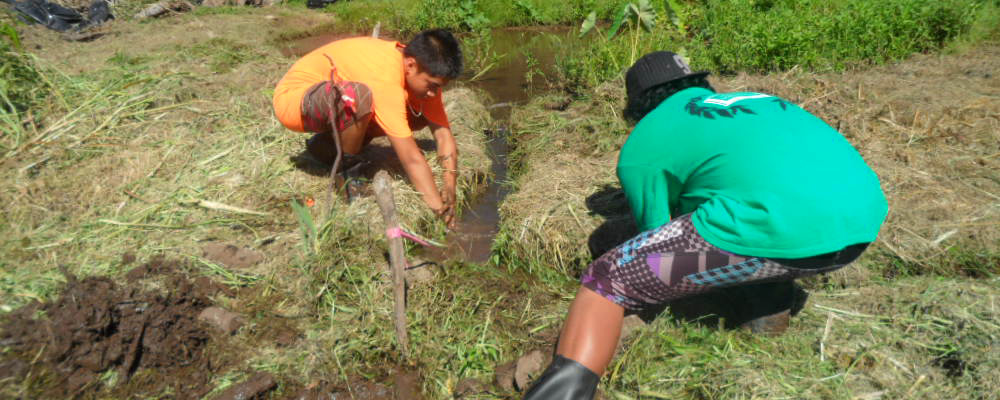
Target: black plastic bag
319 3
53 16
99 12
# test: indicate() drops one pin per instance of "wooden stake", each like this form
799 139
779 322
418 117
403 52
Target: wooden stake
397 257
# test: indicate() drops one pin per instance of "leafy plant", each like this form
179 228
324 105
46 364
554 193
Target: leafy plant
471 17
19 78
776 35
308 227
530 9
636 15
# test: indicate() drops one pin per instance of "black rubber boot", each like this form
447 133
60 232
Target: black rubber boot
564 379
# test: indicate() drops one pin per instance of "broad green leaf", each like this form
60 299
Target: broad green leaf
588 23
618 21
646 15
671 7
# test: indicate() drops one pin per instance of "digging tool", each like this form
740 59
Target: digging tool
397 256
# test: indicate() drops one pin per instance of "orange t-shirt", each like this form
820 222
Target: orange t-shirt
374 62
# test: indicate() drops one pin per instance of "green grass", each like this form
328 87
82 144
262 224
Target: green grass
821 35
128 146
919 341
21 84
777 35
220 54
410 16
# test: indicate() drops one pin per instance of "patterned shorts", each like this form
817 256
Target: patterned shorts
345 102
673 262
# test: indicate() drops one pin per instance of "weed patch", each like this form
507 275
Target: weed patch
21 83
778 35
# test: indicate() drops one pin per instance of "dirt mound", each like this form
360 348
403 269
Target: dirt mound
405 386
97 329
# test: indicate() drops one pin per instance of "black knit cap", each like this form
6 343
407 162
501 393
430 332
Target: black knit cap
655 69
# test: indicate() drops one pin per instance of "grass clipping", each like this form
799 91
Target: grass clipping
929 127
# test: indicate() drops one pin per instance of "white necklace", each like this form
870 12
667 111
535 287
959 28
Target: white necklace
414 112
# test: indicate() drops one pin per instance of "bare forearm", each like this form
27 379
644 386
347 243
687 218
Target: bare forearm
447 157
422 179
449 166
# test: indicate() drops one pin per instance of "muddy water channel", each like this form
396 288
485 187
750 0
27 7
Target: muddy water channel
519 61
524 58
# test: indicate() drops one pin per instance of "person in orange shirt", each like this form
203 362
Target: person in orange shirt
370 87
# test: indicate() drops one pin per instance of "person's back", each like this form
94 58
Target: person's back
735 193
759 174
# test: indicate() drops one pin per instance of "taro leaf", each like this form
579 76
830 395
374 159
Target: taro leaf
671 8
588 23
645 14
618 21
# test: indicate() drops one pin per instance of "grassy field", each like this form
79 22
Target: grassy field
119 149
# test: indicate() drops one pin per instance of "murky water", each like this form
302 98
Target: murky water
524 56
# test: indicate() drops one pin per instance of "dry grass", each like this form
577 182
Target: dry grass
916 337
161 131
928 126
173 123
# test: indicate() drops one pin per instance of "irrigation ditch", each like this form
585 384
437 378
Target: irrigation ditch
521 59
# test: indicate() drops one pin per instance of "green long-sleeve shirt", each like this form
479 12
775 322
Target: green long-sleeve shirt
760 175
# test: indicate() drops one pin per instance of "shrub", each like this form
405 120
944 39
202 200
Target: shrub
755 35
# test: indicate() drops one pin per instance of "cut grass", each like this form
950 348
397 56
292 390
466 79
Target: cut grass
915 337
128 152
134 185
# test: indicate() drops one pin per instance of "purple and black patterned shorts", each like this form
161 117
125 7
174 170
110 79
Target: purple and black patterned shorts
673 262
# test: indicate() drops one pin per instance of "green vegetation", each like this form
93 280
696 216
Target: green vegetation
721 36
409 16
221 55
110 151
21 84
776 35
753 35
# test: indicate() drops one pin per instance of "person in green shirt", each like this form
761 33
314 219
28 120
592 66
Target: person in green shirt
729 190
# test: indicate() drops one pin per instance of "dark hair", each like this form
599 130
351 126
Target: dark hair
652 97
437 52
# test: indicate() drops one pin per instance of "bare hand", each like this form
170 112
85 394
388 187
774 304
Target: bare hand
447 214
448 196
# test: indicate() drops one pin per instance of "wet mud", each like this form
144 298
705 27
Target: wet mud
254 388
98 332
401 385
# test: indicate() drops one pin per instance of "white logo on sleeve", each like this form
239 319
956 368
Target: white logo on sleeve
728 99
680 63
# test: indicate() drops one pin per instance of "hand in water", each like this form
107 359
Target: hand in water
447 214
448 209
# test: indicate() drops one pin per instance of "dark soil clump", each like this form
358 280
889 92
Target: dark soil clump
96 327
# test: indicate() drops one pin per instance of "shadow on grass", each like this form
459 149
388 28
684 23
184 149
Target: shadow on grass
378 155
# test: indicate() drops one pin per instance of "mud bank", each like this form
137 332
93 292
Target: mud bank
99 337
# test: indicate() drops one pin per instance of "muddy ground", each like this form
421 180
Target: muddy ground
99 332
